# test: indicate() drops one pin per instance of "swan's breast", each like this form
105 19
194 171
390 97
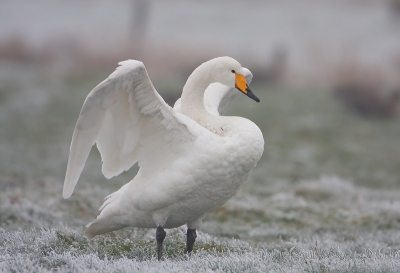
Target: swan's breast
246 142
236 151
221 169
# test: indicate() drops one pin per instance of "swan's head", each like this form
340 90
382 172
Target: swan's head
229 72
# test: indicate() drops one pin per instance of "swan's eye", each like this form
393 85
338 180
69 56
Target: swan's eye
233 71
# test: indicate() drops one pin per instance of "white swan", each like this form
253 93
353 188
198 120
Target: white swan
191 160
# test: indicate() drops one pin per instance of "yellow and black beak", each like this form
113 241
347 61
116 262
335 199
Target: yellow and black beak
241 85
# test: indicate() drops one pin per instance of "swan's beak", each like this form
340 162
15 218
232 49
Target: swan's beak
241 85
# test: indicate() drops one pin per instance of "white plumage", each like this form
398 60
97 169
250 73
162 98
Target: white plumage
191 159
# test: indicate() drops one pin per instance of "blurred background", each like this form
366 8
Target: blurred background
327 73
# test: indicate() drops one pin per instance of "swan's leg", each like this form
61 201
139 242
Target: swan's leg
160 235
190 239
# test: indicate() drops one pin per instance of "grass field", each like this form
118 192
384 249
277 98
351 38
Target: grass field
323 198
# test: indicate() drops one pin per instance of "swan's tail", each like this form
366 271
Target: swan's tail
103 225
111 217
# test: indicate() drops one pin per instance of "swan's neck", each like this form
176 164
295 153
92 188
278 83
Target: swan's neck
192 100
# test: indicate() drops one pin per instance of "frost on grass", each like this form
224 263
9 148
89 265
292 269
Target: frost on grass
46 250
306 207
327 224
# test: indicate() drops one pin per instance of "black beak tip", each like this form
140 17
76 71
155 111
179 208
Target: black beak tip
251 95
256 99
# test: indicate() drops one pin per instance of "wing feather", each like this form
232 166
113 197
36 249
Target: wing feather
130 122
82 142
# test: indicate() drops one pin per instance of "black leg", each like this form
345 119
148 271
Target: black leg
160 235
191 238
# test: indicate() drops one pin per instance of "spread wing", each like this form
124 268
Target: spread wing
217 96
129 121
